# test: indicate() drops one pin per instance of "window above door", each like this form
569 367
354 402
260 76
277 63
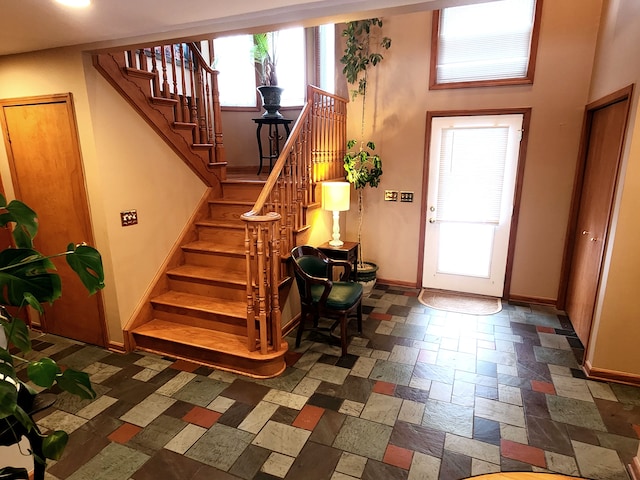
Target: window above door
486 44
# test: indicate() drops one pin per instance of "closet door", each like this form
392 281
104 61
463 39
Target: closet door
46 169
602 146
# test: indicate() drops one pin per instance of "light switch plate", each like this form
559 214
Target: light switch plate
390 195
406 196
129 217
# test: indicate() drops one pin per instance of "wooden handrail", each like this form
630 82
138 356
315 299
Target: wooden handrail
313 153
279 165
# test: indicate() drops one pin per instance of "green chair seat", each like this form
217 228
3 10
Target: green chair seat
343 295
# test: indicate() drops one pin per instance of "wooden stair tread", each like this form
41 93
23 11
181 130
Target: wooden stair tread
222 201
212 305
211 247
209 273
184 125
243 181
136 72
201 338
222 224
164 101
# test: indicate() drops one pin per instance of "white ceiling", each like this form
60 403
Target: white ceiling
28 25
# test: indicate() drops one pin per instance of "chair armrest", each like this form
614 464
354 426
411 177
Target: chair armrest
341 263
326 282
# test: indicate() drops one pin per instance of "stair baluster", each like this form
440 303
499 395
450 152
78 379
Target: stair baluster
142 61
154 70
183 97
278 215
165 83
174 75
193 111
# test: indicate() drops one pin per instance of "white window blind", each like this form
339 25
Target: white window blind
471 174
237 78
327 63
487 41
290 65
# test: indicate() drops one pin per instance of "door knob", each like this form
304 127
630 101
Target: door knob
432 220
593 239
584 232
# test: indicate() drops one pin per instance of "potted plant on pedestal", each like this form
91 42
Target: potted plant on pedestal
264 56
27 278
363 166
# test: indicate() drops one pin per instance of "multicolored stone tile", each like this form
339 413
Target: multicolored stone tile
422 394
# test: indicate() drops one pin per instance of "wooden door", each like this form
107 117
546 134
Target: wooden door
46 166
602 146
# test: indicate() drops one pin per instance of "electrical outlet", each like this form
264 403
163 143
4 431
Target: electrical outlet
390 195
406 196
129 217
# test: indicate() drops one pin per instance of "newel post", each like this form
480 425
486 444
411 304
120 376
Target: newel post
262 252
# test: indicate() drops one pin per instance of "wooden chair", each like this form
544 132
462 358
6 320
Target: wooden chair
321 296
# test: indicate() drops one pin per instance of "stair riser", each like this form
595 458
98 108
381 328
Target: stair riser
189 311
208 289
166 110
241 191
225 361
233 263
143 83
222 236
239 327
227 212
186 134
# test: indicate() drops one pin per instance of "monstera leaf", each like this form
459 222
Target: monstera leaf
28 277
25 220
26 271
87 263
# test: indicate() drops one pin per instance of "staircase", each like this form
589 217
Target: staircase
176 93
201 312
218 298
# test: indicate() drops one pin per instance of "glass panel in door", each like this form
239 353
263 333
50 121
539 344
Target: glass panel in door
472 172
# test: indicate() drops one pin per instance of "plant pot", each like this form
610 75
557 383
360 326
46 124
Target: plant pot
366 276
270 100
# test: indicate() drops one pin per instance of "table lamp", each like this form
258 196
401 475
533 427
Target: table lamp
335 198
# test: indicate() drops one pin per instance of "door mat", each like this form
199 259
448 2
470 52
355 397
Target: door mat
460 302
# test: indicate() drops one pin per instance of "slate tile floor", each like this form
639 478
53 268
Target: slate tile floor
422 394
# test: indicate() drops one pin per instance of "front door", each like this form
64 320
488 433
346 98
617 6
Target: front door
44 157
473 164
606 125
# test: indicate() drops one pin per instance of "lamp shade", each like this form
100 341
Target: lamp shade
335 196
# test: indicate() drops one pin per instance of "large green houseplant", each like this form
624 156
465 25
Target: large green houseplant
28 278
363 167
